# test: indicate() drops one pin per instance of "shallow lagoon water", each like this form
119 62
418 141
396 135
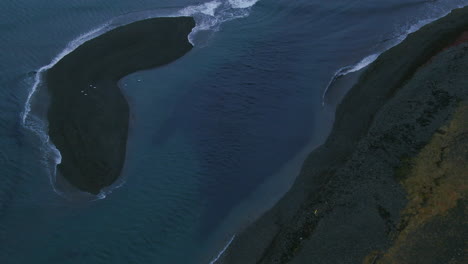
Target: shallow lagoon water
215 137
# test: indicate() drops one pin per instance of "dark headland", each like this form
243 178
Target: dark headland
88 115
390 183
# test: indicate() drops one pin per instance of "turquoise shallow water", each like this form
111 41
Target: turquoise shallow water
238 111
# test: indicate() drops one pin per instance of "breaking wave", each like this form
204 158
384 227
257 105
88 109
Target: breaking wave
208 17
220 254
405 31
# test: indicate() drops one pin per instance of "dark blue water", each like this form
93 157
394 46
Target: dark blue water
215 138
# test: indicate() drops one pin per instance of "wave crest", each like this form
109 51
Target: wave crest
371 58
208 17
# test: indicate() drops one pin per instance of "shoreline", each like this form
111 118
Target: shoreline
346 190
263 198
88 121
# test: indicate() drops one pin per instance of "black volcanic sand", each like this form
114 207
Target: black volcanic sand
88 115
346 202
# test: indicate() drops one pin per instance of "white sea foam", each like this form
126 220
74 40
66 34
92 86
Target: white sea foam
371 58
242 3
349 69
208 16
220 254
38 126
70 47
208 8
415 27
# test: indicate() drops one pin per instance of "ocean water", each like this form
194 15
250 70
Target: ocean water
215 138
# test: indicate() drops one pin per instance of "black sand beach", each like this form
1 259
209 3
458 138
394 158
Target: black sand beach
363 196
88 115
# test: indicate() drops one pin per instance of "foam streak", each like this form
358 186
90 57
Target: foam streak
220 254
371 58
208 16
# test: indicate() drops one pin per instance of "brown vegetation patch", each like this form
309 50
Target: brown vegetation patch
433 224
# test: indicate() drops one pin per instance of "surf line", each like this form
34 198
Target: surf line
220 254
213 9
216 14
343 71
347 70
208 16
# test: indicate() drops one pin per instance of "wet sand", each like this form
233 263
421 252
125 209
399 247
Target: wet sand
88 115
347 202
